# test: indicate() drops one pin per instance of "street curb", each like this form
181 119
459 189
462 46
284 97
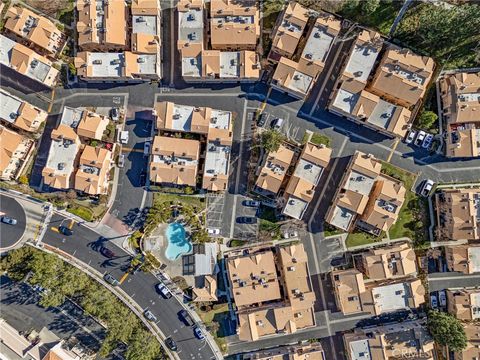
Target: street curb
119 293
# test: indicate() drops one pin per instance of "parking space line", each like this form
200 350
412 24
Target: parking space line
395 144
54 229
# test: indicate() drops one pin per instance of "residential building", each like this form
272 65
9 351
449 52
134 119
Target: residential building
146 27
459 98
288 31
463 258
20 113
102 25
272 291
200 59
93 171
464 304
301 186
298 77
402 76
388 262
273 171
408 339
353 98
64 148
206 292
458 214
353 294
214 126
365 198
15 151
311 351
174 161
117 66
27 62
37 31
234 25
472 351
92 125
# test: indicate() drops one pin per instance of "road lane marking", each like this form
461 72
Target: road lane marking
55 229
124 277
394 147
51 101
70 225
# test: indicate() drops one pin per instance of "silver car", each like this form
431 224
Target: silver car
9 220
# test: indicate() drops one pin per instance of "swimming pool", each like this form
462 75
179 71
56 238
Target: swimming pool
177 242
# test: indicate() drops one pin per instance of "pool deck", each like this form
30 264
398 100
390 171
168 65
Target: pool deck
157 243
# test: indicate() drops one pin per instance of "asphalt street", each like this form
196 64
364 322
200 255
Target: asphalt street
21 310
11 234
449 280
83 245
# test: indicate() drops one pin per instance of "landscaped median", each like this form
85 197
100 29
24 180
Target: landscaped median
62 280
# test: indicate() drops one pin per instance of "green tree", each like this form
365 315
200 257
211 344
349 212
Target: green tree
23 180
17 262
143 346
189 190
447 330
427 120
271 140
369 6
349 6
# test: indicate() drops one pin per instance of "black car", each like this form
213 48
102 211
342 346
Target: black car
65 230
172 345
186 318
107 252
246 220
261 119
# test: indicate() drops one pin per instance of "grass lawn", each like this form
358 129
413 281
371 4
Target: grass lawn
358 238
413 218
159 198
213 320
381 19
235 243
317 139
81 211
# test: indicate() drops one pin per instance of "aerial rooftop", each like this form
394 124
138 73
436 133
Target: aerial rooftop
273 171
463 258
20 113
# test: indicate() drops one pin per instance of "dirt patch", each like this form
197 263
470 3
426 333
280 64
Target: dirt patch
52 8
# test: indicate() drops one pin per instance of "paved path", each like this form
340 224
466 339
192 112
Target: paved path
399 17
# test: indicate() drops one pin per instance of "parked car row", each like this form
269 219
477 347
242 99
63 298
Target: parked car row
438 299
419 138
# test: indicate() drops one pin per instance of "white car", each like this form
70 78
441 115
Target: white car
277 123
123 136
121 160
410 136
213 231
421 135
162 289
426 188
433 302
427 141
442 297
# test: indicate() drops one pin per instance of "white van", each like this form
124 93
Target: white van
123 137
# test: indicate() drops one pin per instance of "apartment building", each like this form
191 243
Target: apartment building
402 76
35 30
294 352
15 151
214 128
463 258
458 214
234 25
301 185
406 340
388 262
298 77
459 98
174 161
101 25
27 62
19 113
472 351
353 294
206 291
92 174
224 56
273 171
118 43
365 198
73 165
354 97
272 291
464 304
288 31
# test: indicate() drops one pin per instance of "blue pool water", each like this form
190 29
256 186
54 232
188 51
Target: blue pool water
177 242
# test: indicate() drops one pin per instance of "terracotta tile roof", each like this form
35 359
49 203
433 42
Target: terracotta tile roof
208 292
92 125
35 28
472 351
464 303
463 258
10 141
274 170
27 116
